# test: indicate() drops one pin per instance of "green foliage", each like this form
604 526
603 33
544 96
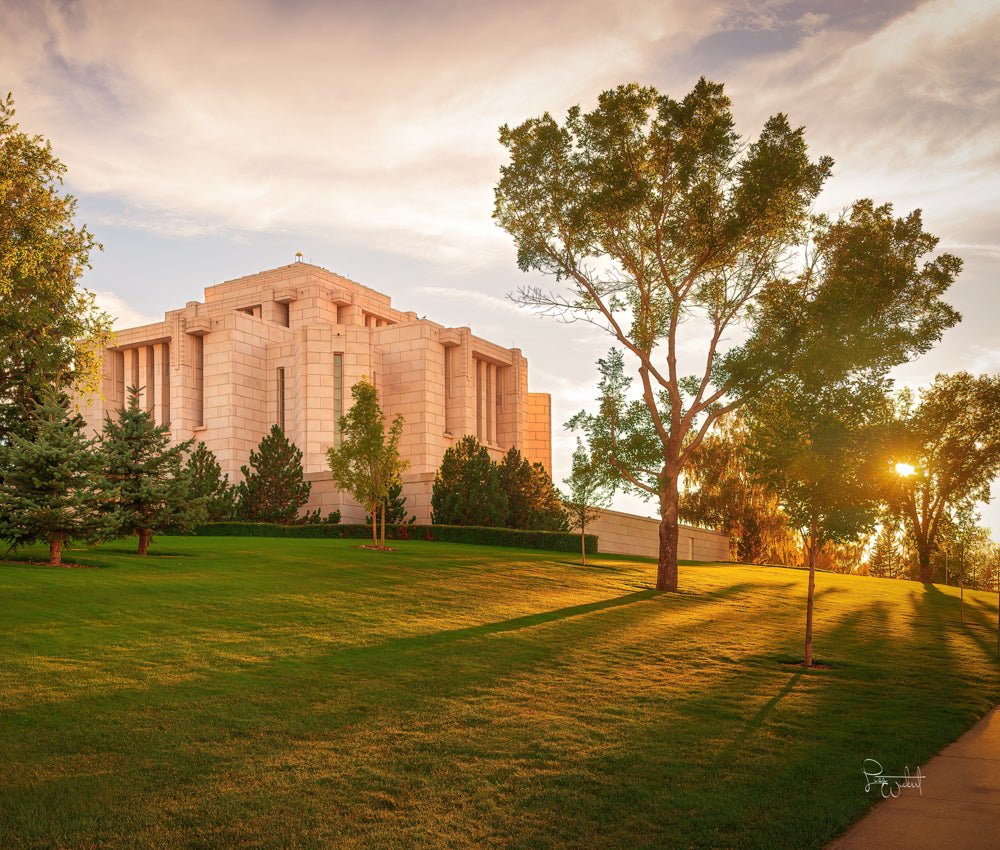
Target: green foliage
550 541
952 439
50 483
273 486
532 501
654 212
589 493
467 487
148 488
722 493
209 484
44 316
367 462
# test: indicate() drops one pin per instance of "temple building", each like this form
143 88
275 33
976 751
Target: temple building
285 347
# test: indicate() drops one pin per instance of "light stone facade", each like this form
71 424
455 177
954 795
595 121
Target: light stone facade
285 347
627 534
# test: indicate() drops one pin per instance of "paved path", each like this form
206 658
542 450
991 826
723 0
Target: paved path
956 807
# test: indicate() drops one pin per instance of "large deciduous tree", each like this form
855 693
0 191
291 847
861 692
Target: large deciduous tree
367 462
50 482
45 318
951 438
657 217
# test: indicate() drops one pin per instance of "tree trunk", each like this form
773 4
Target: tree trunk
383 524
811 549
666 569
375 524
583 546
55 550
926 572
144 535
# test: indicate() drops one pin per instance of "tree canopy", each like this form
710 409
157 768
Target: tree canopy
951 439
45 318
658 218
147 487
367 462
273 486
50 483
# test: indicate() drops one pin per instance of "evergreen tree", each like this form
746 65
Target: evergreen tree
547 512
589 494
274 486
147 487
466 487
210 485
49 484
516 481
367 462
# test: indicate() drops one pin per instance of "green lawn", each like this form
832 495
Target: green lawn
295 693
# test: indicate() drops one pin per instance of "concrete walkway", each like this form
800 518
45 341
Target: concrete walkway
957 805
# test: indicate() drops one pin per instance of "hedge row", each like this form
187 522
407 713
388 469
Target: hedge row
552 541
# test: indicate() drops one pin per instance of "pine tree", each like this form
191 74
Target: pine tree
209 484
589 495
516 480
274 486
466 487
147 485
547 512
49 488
367 462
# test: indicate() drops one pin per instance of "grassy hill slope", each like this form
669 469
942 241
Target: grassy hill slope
295 693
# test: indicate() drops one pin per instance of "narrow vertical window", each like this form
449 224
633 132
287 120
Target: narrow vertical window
338 395
198 379
281 397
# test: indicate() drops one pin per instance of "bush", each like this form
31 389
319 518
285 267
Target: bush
550 541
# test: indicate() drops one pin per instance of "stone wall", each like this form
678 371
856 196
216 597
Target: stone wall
627 534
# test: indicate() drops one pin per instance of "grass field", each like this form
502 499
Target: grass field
292 693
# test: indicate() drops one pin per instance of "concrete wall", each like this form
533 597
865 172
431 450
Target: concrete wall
627 534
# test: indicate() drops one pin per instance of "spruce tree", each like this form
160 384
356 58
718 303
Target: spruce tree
516 480
209 484
274 486
466 487
147 484
49 484
547 512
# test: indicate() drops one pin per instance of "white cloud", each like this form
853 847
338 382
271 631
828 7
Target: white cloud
376 121
123 314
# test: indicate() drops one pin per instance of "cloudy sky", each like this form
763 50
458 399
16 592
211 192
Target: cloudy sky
209 140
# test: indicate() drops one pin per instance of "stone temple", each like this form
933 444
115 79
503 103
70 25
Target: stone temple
285 347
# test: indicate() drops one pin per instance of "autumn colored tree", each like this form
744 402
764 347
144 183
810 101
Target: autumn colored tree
657 217
720 492
45 317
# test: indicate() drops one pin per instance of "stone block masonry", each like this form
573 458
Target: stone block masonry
285 347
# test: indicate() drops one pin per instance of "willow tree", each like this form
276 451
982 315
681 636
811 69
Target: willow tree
655 217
